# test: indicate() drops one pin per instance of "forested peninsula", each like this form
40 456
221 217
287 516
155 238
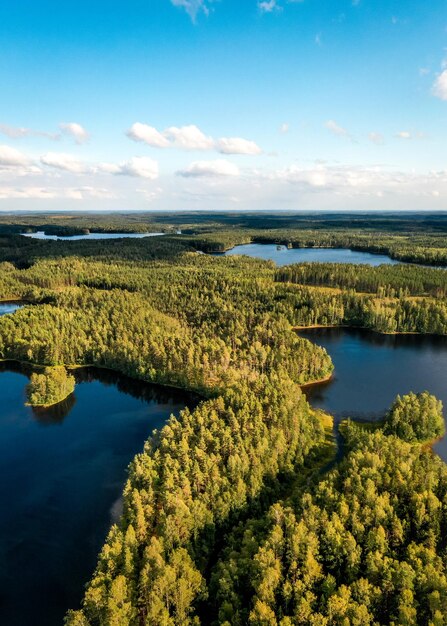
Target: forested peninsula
235 512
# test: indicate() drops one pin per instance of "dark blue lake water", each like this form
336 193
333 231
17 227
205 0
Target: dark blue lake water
62 472
371 369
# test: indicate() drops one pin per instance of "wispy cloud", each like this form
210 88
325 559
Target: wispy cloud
407 135
75 130
237 145
49 193
63 161
338 130
272 6
214 169
439 89
139 167
268 6
70 129
403 134
18 132
194 7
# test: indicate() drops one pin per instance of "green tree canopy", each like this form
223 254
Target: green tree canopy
415 417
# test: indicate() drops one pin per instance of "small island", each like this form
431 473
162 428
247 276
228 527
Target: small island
415 418
50 387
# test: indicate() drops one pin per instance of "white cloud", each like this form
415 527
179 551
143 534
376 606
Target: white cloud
10 157
75 130
338 130
237 145
193 7
147 134
214 169
404 134
284 128
140 167
63 161
440 87
190 138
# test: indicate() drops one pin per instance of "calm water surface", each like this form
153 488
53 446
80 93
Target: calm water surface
371 369
9 307
284 256
42 235
62 472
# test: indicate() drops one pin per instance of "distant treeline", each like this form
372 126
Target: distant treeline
419 238
385 280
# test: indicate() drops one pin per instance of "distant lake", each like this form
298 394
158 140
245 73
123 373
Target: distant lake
9 307
42 235
286 256
62 472
371 369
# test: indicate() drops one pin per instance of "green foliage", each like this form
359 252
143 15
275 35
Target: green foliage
222 522
366 547
387 281
51 387
415 417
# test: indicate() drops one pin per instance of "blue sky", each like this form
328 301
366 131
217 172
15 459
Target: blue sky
260 104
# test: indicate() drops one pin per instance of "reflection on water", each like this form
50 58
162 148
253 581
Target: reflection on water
371 369
55 414
62 471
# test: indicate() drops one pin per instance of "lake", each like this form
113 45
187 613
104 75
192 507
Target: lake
62 472
285 256
9 307
42 235
371 369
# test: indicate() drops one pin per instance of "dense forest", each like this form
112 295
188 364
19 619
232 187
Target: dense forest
234 512
365 546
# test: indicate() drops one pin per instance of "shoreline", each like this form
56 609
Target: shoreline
365 328
48 406
339 247
319 381
199 394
